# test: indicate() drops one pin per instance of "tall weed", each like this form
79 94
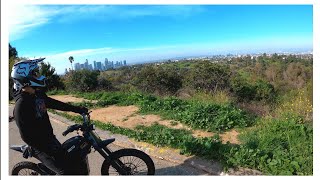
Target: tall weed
298 103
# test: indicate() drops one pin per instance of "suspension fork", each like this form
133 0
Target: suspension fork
105 152
116 163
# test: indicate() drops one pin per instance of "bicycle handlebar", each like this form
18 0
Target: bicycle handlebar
86 119
71 129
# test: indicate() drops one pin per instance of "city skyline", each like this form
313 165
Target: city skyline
98 65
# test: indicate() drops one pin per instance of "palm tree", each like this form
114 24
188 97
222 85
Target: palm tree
71 59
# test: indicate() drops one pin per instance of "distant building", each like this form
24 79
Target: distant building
102 66
94 65
99 66
106 62
77 66
86 64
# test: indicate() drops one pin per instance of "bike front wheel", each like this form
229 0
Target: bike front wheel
134 162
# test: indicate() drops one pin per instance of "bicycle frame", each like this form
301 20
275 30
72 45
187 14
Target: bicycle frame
100 145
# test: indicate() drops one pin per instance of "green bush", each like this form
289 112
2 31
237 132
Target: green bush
162 136
56 92
104 83
247 90
243 89
209 76
89 95
264 91
159 80
198 115
277 147
82 80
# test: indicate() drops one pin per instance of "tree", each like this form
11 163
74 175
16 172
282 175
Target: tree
258 69
12 52
210 76
242 88
296 75
273 72
53 80
104 83
83 80
159 80
71 59
12 57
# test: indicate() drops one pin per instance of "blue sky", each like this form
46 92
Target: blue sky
140 33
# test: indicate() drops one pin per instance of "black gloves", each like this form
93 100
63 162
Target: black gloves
81 110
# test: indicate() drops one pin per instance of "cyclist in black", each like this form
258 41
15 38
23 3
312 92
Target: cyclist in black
30 114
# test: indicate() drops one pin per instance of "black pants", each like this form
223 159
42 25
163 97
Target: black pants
54 159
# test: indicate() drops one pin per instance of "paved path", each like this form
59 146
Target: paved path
167 161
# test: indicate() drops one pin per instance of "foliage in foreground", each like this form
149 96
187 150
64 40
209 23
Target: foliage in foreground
275 146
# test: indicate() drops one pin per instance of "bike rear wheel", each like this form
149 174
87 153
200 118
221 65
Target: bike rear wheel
26 169
135 163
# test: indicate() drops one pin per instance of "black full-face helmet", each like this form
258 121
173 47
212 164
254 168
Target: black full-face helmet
26 73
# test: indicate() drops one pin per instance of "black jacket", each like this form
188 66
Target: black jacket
32 119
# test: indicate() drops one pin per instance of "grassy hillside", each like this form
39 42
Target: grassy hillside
267 98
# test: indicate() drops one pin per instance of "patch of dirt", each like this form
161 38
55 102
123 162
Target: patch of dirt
199 133
231 136
127 117
70 98
116 115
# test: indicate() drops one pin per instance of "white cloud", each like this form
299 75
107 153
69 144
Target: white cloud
105 12
25 18
84 53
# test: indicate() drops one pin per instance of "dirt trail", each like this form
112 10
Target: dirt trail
69 98
127 117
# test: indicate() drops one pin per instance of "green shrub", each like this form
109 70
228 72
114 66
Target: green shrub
159 80
198 115
84 104
264 91
162 136
56 92
247 90
209 76
276 146
243 89
82 80
104 83
90 95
